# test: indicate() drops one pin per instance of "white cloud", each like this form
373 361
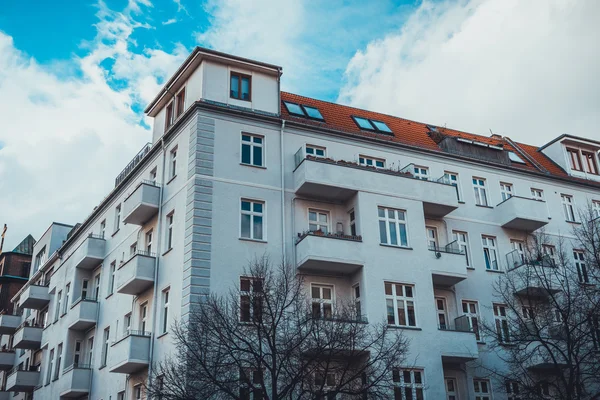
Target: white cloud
65 139
170 21
525 69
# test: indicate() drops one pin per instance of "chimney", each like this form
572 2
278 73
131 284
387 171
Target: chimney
496 136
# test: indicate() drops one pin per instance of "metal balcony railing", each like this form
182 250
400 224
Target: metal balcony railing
452 248
133 163
515 259
460 324
77 366
21 367
342 236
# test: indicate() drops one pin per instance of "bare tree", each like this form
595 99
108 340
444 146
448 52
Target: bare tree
265 340
546 321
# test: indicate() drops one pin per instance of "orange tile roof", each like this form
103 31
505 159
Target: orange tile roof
339 117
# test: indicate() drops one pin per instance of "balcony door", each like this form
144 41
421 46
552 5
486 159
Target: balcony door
442 313
432 238
451 389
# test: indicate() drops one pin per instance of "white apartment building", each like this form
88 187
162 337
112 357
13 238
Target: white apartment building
414 219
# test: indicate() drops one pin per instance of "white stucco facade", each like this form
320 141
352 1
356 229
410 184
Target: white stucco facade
187 192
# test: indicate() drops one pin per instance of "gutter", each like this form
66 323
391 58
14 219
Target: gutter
283 215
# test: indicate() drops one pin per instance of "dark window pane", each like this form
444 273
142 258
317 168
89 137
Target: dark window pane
246 154
313 112
245 226
294 109
245 285
245 205
258 228
257 156
381 126
235 87
245 88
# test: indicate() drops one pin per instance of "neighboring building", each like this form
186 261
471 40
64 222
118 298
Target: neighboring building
238 168
14 272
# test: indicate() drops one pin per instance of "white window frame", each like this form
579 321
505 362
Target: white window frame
501 322
59 350
480 192
173 163
249 294
478 387
583 275
97 284
117 218
400 384
314 150
462 239
143 317
127 323
165 310
356 297
153 175
451 394
90 350
443 312
596 208
149 241
352 218
472 316
105 346
507 190
368 161
58 305
321 301
77 353
113 273
519 246
490 244
549 250
404 299
319 225
50 367
169 233
252 144
568 204
67 298
420 172
452 178
537 194
103 228
396 222
253 214
432 238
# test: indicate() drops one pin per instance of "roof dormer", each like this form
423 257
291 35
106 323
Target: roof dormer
577 156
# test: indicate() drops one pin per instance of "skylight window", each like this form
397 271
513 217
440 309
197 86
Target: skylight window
371 125
303 111
515 158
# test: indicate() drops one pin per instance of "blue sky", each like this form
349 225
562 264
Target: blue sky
76 75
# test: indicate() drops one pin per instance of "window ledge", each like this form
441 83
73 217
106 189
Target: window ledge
461 202
172 179
471 268
395 247
572 222
253 166
109 295
115 232
63 314
495 271
481 205
101 367
253 240
408 328
480 342
162 335
167 252
246 100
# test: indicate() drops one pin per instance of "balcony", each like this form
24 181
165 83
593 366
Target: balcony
340 180
142 203
9 323
83 314
448 265
7 359
75 381
540 360
28 336
136 274
90 253
132 352
522 213
35 297
532 278
457 343
21 380
328 253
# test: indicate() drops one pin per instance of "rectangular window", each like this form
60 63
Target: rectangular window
165 310
251 381
596 208
537 194
574 159
356 295
400 304
90 350
315 151
149 241
482 389
353 222
121 396
67 298
117 218
111 283
180 102
462 239
501 323
105 345
50 367
480 191
169 116
58 361
442 313
490 253
589 162
582 272
77 353
421 173
240 86
371 161
137 392
153 175
127 323
549 254
527 312
252 150
143 317
322 300
170 223
451 389
318 221
471 310
133 249
252 214
371 124
103 228
506 190
408 384
40 258
568 209
392 227
250 299
173 163
97 287
452 179
594 322
58 302
432 238
519 247
84 289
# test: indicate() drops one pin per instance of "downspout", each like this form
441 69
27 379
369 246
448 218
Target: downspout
156 260
283 216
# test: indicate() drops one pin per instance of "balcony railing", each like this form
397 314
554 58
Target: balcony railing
342 236
21 367
461 324
133 163
515 259
133 332
451 248
77 366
